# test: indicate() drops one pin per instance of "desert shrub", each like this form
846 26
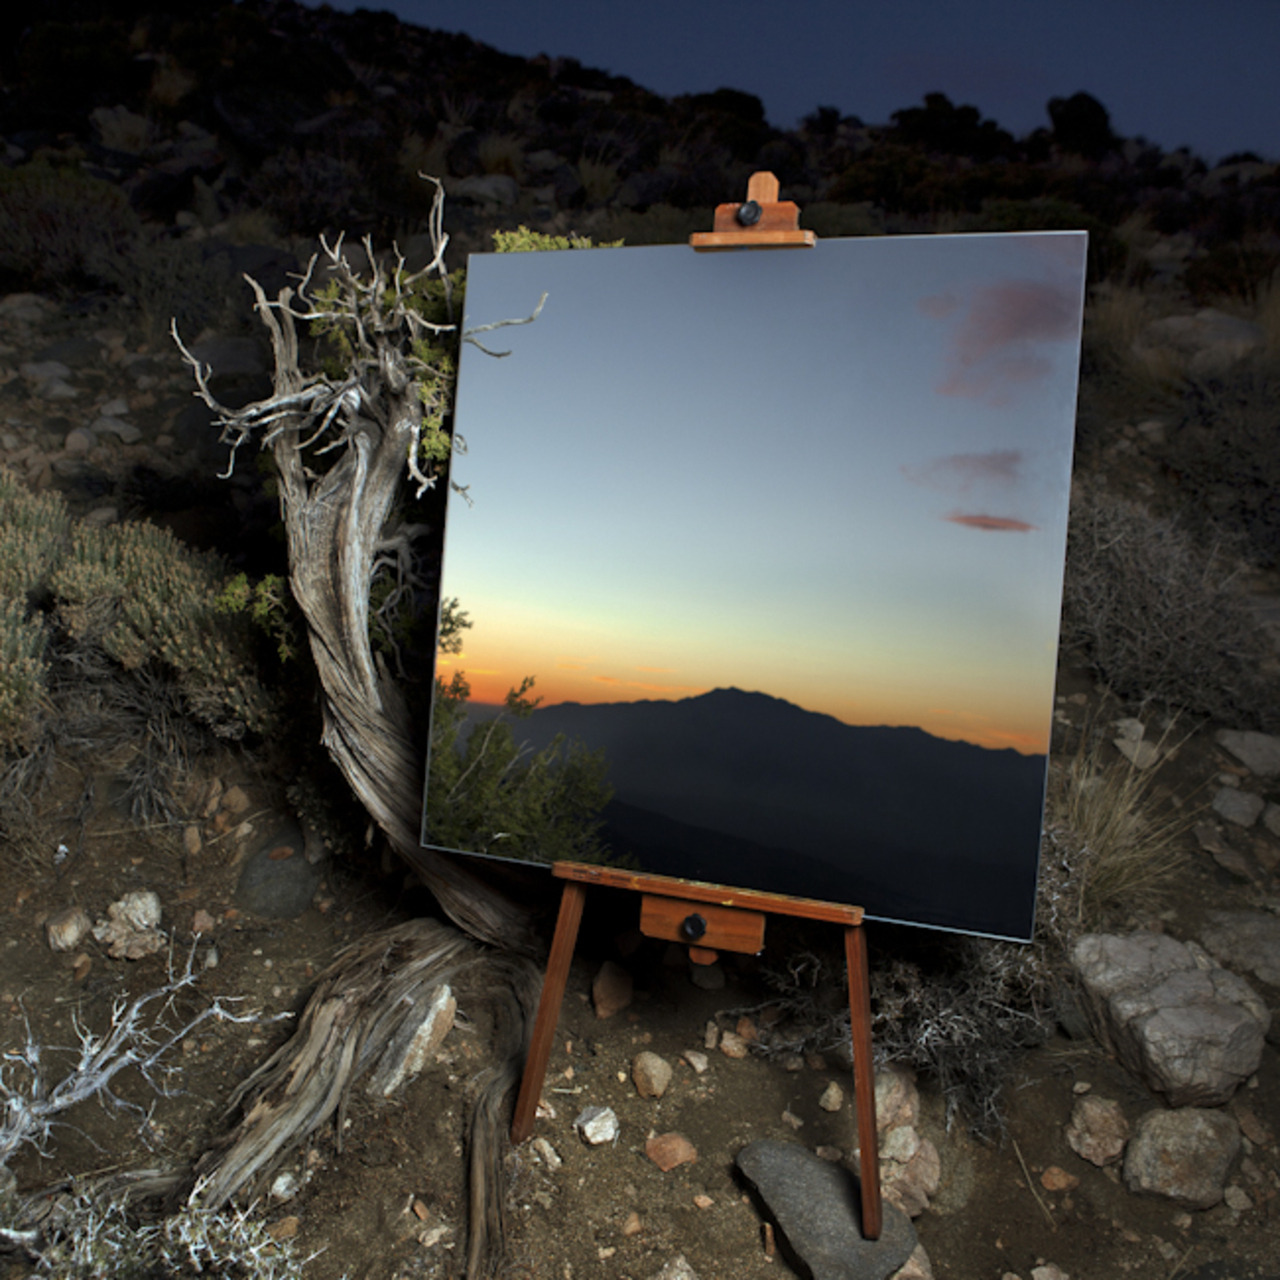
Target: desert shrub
1224 454
1231 270
22 672
95 1237
1157 616
139 594
60 227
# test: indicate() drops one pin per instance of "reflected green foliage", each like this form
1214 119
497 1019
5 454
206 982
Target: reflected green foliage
487 794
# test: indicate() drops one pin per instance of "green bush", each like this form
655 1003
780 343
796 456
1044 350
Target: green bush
130 591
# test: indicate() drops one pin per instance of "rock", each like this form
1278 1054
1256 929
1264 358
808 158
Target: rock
677 1269
597 1125
1208 342
732 1045
1098 1130
1241 807
1055 1179
77 442
667 1150
708 977
419 1035
697 1060
611 990
1139 753
910 1185
1049 1271
1182 1155
1192 1030
651 1074
132 927
66 929
832 1097
485 188
916 1267
1237 1199
547 1153
1271 818
897 1100
202 921
1258 752
1247 940
123 431
277 881
818 1208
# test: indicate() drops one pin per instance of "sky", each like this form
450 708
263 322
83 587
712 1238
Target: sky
1195 73
837 475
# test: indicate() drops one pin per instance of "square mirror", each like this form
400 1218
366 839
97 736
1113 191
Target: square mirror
779 535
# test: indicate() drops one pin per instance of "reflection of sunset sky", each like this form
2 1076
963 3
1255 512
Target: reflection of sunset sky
838 476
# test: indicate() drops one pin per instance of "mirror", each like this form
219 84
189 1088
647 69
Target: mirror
781 534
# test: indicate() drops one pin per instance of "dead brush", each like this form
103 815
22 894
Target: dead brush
1110 844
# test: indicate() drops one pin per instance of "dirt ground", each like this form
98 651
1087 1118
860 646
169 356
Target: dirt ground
389 1201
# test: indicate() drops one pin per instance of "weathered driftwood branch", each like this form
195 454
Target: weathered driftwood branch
365 430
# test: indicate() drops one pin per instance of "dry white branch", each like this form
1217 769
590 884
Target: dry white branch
139 1035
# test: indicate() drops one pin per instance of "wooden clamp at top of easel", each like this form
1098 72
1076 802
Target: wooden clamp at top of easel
709 917
762 221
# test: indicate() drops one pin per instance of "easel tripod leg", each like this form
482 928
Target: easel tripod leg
544 1027
864 1079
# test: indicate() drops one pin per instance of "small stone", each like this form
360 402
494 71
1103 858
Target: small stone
677 1269
1237 1199
711 1035
832 1155
732 1045
916 1267
191 841
668 1150
597 1125
77 442
1182 1155
285 1229
1098 1130
66 928
832 1097
284 1186
632 1226
696 1059
708 977
746 1028
1241 807
235 800
792 1120
705 1201
202 922
547 1153
420 1210
1057 1179
1141 754
80 967
612 990
651 1074
1050 1271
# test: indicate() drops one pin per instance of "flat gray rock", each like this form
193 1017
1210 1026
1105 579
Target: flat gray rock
1258 752
277 880
1246 940
818 1207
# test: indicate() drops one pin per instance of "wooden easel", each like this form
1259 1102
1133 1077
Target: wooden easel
706 917
710 919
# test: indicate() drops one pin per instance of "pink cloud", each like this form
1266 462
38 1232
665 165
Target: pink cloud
959 472
995 524
998 342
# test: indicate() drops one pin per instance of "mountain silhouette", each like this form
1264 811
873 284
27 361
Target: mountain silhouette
750 790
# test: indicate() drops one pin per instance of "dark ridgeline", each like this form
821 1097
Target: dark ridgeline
749 790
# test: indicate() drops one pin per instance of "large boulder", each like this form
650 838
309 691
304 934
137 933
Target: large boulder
1192 1030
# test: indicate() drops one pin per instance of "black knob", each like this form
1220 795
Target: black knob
693 927
749 213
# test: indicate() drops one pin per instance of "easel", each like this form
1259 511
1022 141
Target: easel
709 918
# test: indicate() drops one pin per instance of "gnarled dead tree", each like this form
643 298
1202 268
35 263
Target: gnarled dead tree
344 446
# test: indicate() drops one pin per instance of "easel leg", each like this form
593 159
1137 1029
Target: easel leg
544 1027
864 1079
